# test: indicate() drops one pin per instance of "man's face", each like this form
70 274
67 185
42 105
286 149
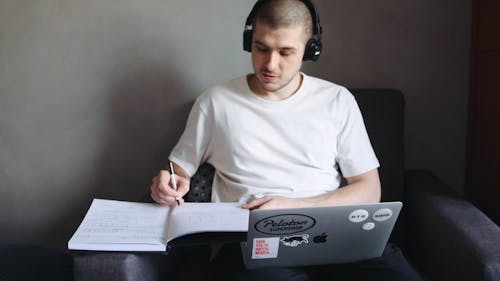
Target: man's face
277 57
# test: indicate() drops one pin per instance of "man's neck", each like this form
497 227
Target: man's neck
277 95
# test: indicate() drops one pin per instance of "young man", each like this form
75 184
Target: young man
277 134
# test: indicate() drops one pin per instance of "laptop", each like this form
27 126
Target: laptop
319 235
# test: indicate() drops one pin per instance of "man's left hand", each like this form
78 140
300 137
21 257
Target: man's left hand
275 202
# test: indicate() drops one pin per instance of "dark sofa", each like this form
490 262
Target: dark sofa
443 236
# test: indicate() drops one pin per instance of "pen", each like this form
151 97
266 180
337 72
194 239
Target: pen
174 182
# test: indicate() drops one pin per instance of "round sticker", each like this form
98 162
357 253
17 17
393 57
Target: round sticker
382 214
358 215
368 226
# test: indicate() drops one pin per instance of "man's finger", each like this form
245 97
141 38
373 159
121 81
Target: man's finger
256 203
182 186
164 179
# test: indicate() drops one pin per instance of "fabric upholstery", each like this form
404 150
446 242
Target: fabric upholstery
34 263
201 184
450 238
383 113
122 266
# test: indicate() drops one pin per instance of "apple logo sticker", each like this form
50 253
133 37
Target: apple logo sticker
320 238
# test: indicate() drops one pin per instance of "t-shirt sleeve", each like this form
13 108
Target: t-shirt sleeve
355 152
190 150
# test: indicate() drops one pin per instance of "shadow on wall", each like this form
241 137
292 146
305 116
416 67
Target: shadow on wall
146 113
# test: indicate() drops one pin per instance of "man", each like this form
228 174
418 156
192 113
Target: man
277 135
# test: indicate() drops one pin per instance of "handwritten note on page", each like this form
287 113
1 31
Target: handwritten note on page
119 225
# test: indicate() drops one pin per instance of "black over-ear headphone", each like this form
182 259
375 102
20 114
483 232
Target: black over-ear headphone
313 46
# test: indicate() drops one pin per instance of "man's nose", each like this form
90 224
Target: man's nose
272 60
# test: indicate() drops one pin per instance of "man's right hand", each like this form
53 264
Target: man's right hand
162 189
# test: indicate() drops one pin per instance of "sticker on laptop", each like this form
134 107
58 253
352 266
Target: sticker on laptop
382 214
265 248
359 215
295 240
320 238
285 224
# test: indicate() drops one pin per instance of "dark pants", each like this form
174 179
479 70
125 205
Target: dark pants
228 265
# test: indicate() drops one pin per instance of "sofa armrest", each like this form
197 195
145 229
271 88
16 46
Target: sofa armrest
110 266
448 238
34 262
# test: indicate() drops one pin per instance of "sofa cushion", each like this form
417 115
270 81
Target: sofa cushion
383 112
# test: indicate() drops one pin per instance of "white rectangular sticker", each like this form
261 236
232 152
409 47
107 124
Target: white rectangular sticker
265 248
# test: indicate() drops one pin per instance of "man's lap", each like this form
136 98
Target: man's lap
228 265
392 265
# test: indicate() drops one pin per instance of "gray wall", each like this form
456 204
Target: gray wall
94 94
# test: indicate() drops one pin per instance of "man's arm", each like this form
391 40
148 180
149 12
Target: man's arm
364 188
162 190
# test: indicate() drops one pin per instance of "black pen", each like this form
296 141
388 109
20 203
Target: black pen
174 182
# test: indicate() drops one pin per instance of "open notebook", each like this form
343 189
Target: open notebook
111 225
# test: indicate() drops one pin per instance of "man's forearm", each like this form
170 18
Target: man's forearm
361 189
364 188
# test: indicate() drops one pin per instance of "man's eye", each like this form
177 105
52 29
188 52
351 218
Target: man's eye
261 49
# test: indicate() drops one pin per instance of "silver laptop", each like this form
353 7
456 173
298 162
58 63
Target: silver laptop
321 235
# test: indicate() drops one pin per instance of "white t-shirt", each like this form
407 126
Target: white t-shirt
291 147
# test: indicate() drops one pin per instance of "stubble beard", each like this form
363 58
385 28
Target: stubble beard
275 86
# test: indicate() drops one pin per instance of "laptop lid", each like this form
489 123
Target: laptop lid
319 235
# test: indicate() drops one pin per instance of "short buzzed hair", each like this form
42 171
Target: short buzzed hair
285 13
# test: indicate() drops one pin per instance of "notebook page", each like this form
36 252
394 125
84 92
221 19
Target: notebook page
191 218
120 225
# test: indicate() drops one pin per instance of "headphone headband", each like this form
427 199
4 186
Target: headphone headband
313 46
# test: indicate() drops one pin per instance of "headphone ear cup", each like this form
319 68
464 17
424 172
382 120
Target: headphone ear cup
247 40
313 49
